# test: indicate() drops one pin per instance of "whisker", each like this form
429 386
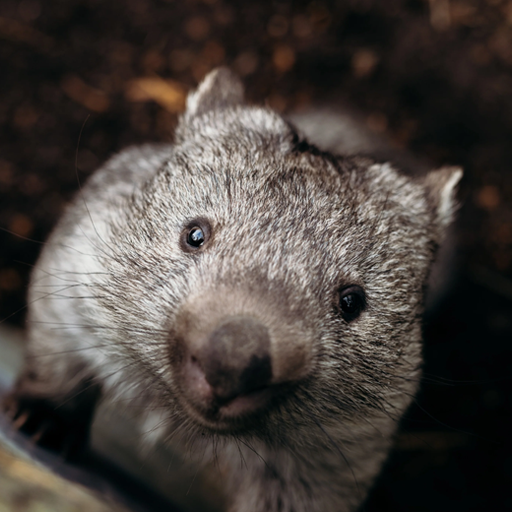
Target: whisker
243 462
336 447
136 330
255 452
61 352
94 381
34 301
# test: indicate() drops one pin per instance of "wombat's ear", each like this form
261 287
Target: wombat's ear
441 186
219 89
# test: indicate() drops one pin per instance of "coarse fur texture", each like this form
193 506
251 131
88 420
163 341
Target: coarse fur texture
119 300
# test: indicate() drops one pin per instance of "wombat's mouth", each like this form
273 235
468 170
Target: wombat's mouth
245 404
235 415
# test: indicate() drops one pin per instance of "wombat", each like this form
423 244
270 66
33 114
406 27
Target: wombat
259 299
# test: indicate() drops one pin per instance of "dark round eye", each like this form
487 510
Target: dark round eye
352 302
195 237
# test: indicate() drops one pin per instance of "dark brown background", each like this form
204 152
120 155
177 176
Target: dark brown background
435 76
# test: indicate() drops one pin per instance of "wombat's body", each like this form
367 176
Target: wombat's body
259 298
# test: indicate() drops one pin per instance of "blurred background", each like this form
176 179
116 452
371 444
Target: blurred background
81 79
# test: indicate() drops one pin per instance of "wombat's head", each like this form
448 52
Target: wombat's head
266 284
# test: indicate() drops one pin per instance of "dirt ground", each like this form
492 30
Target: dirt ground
82 79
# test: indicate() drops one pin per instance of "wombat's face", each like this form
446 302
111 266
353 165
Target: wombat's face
285 284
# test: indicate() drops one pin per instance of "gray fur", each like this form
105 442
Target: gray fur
291 225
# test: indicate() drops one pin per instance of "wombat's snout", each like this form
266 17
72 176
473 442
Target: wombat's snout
236 354
235 359
231 369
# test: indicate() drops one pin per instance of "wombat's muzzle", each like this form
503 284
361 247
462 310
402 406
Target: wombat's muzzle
235 358
235 353
227 372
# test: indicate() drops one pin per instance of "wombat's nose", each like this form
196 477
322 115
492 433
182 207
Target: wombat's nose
235 359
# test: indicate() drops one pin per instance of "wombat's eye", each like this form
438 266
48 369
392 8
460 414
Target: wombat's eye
352 302
195 235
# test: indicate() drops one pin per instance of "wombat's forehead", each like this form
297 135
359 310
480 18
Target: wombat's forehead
299 216
272 193
279 196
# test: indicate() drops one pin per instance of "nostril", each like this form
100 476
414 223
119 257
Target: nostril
195 379
256 375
